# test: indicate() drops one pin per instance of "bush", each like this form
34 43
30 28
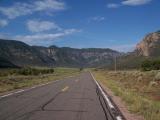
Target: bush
156 65
157 77
148 65
26 71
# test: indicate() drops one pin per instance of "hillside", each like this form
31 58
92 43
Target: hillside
6 64
21 54
148 48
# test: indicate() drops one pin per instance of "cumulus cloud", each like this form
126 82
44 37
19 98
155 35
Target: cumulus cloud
135 2
41 26
45 37
113 5
19 8
129 3
3 23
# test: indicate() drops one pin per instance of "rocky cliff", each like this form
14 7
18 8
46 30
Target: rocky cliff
21 54
150 45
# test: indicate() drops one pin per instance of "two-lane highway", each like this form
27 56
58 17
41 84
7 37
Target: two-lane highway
76 98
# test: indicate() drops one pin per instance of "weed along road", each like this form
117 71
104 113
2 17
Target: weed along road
76 98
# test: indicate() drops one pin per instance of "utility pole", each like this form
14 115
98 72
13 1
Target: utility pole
115 63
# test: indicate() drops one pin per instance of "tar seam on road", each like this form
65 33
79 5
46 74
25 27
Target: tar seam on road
49 101
106 98
101 104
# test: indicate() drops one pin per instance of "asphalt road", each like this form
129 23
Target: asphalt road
76 98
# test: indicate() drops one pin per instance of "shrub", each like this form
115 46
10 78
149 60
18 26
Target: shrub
156 65
157 77
148 65
27 71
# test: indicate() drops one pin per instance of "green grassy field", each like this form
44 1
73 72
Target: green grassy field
11 79
139 90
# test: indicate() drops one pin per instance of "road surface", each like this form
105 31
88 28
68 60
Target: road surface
75 98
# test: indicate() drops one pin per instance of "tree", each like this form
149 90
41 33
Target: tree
156 65
146 65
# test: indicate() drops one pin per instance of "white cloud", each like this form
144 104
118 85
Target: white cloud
49 5
135 2
40 26
97 18
45 37
3 23
129 3
16 10
113 5
19 8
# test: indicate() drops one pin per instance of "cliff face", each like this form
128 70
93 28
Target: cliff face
150 45
21 54
91 57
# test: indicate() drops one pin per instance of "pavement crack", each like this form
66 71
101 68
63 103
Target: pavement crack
90 99
79 111
104 110
49 101
109 113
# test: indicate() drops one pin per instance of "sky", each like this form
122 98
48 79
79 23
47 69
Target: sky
115 24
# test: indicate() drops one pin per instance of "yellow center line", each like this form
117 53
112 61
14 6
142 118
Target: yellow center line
65 89
77 80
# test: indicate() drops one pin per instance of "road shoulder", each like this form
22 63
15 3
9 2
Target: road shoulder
121 105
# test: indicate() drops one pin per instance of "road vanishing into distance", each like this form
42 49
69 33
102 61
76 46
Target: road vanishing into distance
74 98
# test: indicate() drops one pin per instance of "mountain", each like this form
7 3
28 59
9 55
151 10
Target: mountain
6 64
91 57
148 48
150 45
21 54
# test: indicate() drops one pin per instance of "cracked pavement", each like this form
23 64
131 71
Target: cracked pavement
75 98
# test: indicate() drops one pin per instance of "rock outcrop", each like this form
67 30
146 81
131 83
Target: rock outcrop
21 54
150 45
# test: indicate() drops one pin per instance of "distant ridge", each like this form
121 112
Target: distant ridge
148 48
6 64
21 54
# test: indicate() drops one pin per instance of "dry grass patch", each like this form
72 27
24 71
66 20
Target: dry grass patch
139 90
15 81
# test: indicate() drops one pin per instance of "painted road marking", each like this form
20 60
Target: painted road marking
119 118
65 89
103 93
76 80
105 96
20 91
6 95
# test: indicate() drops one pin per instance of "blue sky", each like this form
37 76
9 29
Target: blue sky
116 24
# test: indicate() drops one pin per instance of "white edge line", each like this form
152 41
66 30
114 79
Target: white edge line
118 118
103 93
105 96
27 89
6 95
18 91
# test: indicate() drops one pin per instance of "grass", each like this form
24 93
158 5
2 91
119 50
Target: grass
10 80
136 89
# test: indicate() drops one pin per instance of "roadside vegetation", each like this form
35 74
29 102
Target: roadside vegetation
11 79
139 90
148 65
